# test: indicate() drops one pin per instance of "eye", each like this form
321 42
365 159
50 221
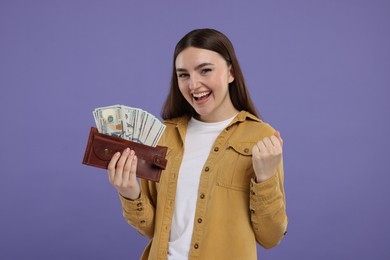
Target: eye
206 70
183 75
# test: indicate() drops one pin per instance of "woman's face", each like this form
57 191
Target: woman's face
204 78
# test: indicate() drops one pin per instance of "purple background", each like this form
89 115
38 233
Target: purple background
318 71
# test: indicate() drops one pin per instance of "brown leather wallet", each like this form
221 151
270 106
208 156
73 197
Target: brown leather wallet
100 149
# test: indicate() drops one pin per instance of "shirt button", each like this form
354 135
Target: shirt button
246 150
139 209
207 169
196 246
202 196
252 211
199 220
253 193
142 222
216 149
139 204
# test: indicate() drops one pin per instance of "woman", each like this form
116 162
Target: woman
223 187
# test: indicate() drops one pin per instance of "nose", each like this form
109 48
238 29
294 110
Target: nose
194 82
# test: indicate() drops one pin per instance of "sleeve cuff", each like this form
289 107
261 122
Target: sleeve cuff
132 207
265 192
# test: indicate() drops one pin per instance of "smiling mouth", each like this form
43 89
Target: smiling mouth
202 95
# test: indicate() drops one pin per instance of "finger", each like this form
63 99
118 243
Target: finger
128 165
255 149
261 146
133 171
275 141
271 148
277 134
268 144
111 165
120 165
277 145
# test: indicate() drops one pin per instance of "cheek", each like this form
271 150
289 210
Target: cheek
222 78
222 82
183 90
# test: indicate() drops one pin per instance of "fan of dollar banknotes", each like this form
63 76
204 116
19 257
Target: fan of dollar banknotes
133 124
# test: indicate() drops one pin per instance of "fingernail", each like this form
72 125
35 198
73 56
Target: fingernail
117 154
135 157
127 150
132 152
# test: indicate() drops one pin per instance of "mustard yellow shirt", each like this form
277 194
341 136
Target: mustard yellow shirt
232 210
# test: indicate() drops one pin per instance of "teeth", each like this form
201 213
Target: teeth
199 95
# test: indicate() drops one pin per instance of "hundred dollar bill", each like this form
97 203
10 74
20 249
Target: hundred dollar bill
129 117
130 123
153 134
110 120
145 128
98 117
140 115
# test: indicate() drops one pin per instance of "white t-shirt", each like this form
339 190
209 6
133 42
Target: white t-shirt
199 140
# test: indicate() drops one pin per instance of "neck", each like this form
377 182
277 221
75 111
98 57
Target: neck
217 118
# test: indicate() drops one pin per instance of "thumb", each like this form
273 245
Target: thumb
277 134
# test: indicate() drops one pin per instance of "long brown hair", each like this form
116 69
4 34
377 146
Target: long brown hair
176 105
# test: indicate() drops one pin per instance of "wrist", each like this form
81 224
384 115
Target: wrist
130 195
259 179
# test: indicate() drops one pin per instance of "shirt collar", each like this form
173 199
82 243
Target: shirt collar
243 115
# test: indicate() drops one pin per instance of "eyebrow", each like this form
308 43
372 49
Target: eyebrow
197 67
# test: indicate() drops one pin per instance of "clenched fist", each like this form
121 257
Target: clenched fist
266 156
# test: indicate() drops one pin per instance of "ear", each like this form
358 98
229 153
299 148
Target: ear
231 74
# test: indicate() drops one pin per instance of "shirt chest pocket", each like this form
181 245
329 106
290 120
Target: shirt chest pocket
236 169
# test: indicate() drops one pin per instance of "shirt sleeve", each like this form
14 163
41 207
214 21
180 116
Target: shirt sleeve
140 213
268 210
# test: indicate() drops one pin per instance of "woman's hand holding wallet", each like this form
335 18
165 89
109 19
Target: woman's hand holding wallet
122 174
